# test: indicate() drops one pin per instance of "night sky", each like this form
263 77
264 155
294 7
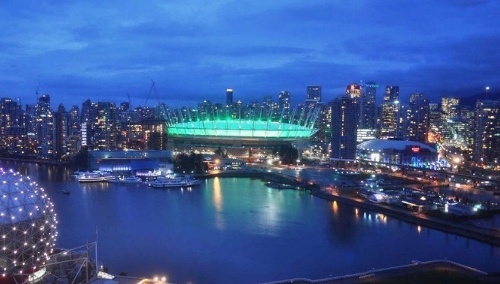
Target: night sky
194 50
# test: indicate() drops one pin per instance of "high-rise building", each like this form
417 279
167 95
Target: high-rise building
284 100
313 100
61 123
43 104
418 118
344 128
267 101
354 91
313 93
364 97
450 114
324 125
154 134
44 128
390 122
87 111
84 134
284 106
369 119
467 115
12 130
106 127
487 132
101 124
391 93
229 97
435 124
9 112
267 108
205 110
74 144
450 108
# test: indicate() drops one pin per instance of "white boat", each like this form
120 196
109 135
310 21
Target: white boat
95 176
76 174
130 179
174 182
91 177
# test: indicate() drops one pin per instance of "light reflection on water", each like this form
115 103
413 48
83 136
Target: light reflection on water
217 197
232 230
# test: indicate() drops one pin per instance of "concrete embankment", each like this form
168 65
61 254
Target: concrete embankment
489 236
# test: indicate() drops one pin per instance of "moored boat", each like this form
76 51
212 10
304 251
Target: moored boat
174 182
130 179
279 185
91 177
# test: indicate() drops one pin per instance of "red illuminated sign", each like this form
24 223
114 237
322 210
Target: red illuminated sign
415 149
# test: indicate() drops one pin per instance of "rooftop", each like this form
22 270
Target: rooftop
383 144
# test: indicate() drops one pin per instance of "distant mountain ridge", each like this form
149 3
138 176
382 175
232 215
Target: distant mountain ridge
470 101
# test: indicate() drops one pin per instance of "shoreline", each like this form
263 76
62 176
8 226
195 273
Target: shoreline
485 235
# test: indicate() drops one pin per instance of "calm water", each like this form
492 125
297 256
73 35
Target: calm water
233 230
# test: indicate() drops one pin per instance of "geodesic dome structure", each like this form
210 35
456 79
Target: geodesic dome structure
27 224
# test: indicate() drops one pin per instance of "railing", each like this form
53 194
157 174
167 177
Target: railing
373 272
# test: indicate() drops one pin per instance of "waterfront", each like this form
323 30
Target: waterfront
237 230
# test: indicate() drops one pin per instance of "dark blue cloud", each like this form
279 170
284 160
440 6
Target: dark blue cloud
193 51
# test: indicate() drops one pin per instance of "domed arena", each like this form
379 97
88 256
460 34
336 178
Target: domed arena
28 226
398 152
241 129
237 136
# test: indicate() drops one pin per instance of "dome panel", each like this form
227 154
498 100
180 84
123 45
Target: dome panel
27 224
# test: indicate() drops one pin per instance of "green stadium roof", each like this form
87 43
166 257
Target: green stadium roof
240 129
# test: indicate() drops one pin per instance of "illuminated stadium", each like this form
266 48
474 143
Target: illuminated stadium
237 129
241 133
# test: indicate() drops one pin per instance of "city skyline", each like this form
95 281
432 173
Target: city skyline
109 51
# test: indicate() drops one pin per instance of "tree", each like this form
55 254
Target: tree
288 154
189 164
220 152
81 160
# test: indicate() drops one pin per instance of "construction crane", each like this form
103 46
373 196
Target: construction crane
150 91
36 92
162 108
162 113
